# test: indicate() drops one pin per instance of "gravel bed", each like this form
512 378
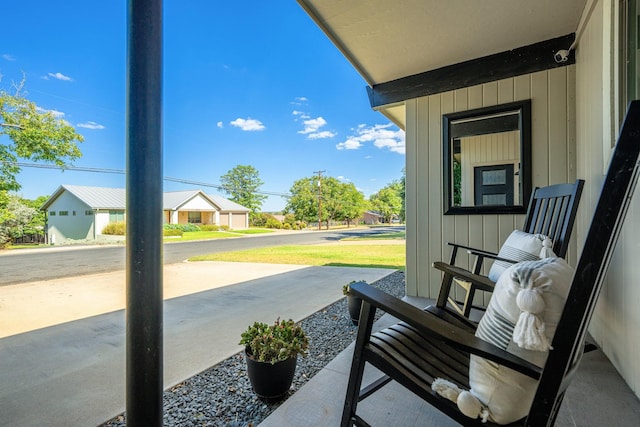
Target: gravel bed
222 395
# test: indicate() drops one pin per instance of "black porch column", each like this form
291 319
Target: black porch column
144 214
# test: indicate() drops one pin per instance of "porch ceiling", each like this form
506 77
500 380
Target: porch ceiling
387 40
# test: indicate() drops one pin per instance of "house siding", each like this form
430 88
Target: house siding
553 161
616 317
69 227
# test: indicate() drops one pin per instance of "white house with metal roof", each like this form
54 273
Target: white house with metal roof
77 212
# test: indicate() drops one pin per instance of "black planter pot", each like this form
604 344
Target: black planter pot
270 382
354 304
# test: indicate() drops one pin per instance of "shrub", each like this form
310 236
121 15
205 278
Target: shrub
224 227
286 226
262 219
115 228
168 232
209 227
273 223
184 227
258 219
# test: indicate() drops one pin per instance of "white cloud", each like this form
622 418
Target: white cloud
220 125
58 76
301 114
8 57
343 179
55 113
312 129
322 135
312 125
379 135
91 125
368 157
248 124
350 144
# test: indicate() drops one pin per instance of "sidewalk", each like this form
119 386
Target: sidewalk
62 341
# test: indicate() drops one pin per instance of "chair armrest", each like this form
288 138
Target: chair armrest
491 255
431 326
482 283
470 249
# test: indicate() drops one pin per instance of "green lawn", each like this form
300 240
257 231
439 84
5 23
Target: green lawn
399 235
373 255
202 235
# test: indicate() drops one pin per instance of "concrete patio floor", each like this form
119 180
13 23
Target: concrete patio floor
598 396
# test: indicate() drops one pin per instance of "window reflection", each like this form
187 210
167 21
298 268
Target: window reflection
487 159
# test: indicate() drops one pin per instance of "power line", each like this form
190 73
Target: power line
122 172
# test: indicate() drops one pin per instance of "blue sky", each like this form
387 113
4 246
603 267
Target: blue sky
245 82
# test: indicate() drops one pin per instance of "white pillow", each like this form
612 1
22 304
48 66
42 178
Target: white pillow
521 246
522 317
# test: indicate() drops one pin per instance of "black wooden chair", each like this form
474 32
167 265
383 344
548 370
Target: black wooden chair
436 344
551 212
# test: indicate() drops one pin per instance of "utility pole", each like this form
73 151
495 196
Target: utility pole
319 198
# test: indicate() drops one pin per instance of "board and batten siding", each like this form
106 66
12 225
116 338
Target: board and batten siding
616 318
552 95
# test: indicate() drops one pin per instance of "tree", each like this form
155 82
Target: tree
243 183
303 203
32 135
387 201
37 223
15 217
403 195
353 203
329 199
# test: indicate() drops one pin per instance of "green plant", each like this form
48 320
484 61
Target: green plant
209 227
345 288
115 228
169 232
275 343
183 227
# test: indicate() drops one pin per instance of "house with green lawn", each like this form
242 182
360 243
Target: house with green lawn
77 212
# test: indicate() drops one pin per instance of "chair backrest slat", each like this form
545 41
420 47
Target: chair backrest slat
552 212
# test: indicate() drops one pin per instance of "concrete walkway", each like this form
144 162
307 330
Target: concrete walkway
62 341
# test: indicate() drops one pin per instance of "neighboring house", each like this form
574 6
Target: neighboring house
372 218
577 61
80 213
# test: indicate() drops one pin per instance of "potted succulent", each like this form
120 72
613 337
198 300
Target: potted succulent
353 303
271 352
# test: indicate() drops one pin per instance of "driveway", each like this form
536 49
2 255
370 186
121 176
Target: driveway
62 352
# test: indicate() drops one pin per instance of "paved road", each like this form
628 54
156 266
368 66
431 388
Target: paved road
56 262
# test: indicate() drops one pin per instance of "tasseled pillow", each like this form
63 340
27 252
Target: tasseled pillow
521 246
521 318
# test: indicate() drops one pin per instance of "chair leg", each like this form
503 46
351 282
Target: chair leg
445 289
468 301
365 326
